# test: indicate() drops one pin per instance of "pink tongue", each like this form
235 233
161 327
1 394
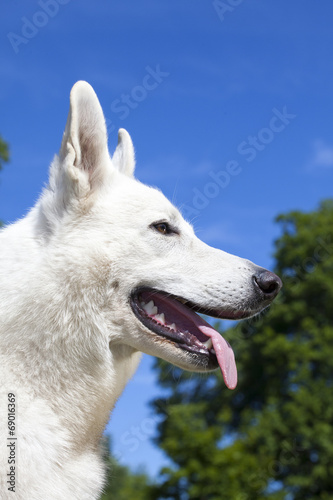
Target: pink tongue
185 319
225 356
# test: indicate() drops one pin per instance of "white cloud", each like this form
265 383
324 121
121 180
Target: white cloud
322 155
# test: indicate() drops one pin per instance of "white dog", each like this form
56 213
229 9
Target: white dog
101 269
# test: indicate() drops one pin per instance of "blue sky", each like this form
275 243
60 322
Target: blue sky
230 110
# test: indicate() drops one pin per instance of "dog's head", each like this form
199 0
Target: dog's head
143 271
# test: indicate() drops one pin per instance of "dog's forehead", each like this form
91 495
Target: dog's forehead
143 199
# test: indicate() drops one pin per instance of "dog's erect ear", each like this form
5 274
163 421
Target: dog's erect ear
84 152
124 157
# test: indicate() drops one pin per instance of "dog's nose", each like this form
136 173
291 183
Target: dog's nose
268 283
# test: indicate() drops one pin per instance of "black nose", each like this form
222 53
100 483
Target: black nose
268 283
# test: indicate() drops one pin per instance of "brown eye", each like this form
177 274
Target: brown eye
162 227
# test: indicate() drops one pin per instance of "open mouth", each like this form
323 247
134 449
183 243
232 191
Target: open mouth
176 320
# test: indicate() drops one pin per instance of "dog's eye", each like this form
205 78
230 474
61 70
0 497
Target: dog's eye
164 228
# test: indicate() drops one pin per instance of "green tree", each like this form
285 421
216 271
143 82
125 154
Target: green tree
4 153
122 483
4 157
271 438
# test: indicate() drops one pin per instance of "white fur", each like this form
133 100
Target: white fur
69 340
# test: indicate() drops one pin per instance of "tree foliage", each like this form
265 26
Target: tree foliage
271 438
4 157
4 153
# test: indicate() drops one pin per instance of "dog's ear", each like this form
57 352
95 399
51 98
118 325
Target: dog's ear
124 157
84 152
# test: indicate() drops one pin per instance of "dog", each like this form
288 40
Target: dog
101 269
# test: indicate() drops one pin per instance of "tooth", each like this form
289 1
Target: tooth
173 326
143 304
208 343
160 318
147 307
150 308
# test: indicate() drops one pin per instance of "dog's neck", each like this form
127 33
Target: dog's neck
81 389
63 358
